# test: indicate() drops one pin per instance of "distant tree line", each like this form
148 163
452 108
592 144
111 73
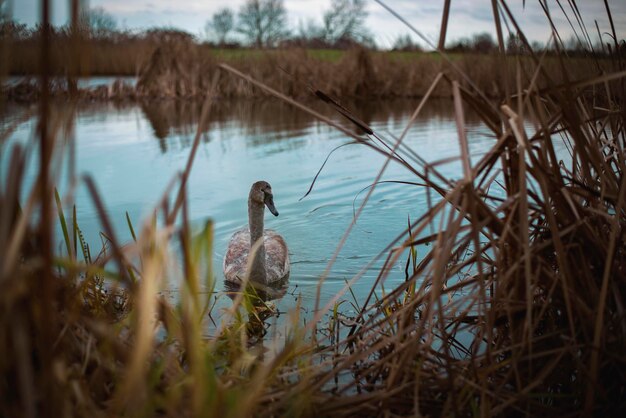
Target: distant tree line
94 23
264 24
483 43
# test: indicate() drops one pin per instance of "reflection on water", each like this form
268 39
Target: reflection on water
82 82
258 304
264 293
259 118
133 152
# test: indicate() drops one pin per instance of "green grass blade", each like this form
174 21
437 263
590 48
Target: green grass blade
66 235
130 227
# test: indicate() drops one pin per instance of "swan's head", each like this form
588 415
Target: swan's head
261 194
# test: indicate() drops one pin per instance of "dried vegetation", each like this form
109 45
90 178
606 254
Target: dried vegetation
170 67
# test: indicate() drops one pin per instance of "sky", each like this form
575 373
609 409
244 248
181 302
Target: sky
467 17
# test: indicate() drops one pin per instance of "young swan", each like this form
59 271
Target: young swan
271 259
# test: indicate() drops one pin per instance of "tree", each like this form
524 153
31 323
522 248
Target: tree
483 43
10 29
310 30
514 44
221 24
460 45
574 44
405 43
5 16
98 22
263 22
539 47
345 20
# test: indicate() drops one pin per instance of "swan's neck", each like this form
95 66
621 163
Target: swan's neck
255 217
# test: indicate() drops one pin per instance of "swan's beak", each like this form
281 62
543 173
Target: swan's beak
269 202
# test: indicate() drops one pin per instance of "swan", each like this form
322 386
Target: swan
271 260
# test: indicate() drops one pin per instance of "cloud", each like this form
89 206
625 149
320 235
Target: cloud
159 6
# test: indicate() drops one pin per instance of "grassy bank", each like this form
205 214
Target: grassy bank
517 309
127 55
179 68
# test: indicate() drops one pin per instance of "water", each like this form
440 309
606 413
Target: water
81 82
133 152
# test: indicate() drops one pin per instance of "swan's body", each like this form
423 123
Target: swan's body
271 258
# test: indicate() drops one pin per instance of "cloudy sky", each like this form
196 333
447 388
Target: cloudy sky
467 16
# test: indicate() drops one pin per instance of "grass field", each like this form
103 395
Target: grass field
101 57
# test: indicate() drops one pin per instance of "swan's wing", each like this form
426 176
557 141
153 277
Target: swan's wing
237 255
276 256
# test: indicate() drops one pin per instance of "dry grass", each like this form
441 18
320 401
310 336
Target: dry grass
174 67
516 310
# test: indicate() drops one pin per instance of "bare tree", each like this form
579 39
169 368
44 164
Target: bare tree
309 30
5 13
222 22
405 43
539 46
514 45
263 22
98 21
345 20
574 44
483 43
10 28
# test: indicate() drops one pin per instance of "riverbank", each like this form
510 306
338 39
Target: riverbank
183 70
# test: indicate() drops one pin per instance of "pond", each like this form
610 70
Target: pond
133 151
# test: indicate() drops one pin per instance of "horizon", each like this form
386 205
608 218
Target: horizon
467 17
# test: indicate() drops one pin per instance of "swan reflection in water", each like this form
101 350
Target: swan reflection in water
259 304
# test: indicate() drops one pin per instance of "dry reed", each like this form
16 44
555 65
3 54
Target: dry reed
176 67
